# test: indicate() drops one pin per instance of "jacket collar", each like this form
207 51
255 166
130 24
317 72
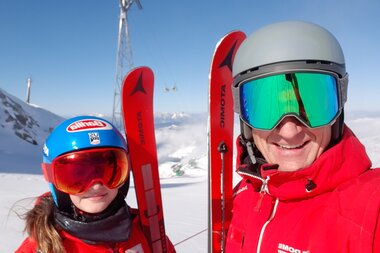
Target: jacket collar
112 228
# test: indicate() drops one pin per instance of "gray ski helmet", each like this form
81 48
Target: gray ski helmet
285 47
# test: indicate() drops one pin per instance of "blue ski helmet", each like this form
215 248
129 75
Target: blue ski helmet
81 133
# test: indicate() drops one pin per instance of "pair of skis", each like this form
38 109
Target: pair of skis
137 104
220 142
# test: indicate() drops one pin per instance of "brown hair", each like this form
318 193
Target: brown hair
40 226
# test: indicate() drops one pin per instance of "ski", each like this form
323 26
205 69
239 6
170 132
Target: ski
137 107
220 140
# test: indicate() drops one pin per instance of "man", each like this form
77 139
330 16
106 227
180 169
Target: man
306 181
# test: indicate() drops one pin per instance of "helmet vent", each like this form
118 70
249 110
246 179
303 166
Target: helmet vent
249 70
318 62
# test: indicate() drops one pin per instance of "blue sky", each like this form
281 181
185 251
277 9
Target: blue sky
69 47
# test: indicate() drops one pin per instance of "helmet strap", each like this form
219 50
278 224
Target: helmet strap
337 129
246 140
246 131
63 200
123 190
251 155
250 158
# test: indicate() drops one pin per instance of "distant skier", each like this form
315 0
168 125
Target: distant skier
86 162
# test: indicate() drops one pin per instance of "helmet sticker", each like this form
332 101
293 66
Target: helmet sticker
88 124
94 138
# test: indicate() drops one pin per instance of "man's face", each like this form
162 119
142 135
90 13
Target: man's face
292 145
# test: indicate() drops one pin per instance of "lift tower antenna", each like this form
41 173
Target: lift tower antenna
28 87
124 59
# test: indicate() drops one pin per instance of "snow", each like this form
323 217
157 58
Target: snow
185 208
182 151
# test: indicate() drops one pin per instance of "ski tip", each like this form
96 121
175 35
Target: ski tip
140 69
141 72
237 34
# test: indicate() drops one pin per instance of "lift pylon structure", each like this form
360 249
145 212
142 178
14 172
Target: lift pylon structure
124 59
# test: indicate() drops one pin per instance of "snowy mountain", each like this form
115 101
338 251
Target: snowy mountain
23 129
28 122
182 145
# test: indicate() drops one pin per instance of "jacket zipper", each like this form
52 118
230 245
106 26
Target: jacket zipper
263 190
264 187
266 224
116 248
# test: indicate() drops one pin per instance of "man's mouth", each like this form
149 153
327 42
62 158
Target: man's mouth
283 146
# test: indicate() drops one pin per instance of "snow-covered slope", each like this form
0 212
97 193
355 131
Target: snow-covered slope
23 129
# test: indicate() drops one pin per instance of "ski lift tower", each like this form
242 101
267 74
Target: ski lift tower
124 60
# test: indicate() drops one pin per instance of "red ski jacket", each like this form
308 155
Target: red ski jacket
331 206
137 243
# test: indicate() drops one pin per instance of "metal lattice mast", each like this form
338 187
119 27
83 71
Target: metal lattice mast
124 59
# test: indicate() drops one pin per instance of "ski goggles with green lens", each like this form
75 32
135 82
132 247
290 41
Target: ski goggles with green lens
314 98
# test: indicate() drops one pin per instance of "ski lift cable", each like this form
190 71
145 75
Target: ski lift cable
192 236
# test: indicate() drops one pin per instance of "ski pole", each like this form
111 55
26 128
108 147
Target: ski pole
222 149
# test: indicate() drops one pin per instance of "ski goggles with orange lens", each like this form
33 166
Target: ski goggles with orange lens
75 172
312 97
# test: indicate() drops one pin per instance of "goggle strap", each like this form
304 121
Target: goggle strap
343 86
47 170
236 98
249 146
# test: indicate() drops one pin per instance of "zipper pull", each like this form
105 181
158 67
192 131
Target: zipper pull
263 191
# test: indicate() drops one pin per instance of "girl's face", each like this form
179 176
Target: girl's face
95 200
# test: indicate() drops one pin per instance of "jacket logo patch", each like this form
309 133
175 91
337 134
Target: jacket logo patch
241 190
284 248
135 249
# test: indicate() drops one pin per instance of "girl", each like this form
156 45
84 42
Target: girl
86 162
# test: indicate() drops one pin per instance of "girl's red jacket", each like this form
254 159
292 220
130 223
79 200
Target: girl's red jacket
332 206
137 243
